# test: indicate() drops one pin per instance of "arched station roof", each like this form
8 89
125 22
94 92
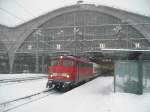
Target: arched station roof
3 38
19 34
124 16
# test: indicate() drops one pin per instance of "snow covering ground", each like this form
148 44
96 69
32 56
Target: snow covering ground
14 91
23 75
94 96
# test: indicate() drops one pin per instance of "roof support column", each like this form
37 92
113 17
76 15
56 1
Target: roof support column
140 75
11 61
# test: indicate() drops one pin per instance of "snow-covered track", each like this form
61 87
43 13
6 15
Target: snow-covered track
7 102
13 104
19 80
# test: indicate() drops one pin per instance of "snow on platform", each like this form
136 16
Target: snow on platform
94 96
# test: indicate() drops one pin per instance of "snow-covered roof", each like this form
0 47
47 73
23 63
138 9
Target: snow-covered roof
15 12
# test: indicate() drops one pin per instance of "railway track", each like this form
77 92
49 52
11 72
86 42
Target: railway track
19 80
16 103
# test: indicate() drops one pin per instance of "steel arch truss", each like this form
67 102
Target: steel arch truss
79 32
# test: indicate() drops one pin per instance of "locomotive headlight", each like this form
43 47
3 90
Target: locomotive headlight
67 76
51 75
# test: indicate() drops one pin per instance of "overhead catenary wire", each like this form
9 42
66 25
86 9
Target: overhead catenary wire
12 14
15 16
25 9
19 18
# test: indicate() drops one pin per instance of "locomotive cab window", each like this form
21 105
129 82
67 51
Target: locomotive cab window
68 62
54 62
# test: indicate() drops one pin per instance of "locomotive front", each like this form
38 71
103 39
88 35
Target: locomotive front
61 72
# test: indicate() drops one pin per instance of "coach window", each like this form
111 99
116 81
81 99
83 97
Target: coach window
82 64
68 63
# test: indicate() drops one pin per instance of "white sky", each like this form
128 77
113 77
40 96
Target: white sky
14 12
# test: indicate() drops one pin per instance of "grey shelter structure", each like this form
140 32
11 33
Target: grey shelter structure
104 35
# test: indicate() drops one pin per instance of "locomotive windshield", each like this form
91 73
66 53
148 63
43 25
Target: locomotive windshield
65 62
68 63
54 62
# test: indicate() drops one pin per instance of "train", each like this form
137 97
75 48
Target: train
66 72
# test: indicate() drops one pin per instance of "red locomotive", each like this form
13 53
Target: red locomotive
66 71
